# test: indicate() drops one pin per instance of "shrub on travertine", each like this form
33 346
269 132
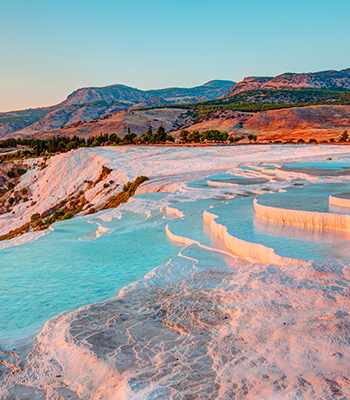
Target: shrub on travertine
67 215
129 190
104 173
24 191
21 171
35 217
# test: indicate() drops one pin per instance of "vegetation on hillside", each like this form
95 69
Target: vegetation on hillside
24 117
267 99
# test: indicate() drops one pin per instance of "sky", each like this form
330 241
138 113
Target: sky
51 48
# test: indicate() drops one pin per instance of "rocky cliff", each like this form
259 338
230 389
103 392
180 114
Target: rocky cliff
316 80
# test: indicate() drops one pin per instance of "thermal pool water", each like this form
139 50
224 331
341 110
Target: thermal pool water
215 299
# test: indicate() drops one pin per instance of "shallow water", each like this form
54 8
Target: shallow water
88 259
71 267
200 321
306 197
288 241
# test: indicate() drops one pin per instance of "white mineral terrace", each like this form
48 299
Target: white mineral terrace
162 298
340 200
307 219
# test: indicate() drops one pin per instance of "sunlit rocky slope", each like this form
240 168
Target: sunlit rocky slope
93 102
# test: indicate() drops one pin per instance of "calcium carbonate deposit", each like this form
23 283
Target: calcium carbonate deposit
225 277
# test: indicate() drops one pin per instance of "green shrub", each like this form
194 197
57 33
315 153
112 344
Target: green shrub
112 137
10 186
234 139
67 215
130 138
24 191
170 138
252 137
11 201
21 171
56 215
11 174
106 185
35 217
71 145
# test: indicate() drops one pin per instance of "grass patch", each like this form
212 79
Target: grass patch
128 191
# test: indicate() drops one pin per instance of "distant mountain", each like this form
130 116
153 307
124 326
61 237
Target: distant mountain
95 102
208 91
152 102
316 80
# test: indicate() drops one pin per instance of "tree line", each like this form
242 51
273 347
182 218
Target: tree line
55 144
210 135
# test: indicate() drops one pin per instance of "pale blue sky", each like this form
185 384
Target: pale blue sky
50 48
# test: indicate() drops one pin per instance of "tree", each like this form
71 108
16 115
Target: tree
184 135
344 137
170 138
160 135
195 136
224 135
61 147
71 145
234 139
252 137
112 137
129 138
38 147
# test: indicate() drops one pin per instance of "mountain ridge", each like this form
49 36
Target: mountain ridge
330 79
89 103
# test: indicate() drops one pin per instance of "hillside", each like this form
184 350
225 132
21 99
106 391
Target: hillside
313 122
321 122
316 80
94 102
138 121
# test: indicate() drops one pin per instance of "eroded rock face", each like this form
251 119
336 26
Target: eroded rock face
317 80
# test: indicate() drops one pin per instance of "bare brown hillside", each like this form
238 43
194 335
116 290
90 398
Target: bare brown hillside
138 121
318 122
